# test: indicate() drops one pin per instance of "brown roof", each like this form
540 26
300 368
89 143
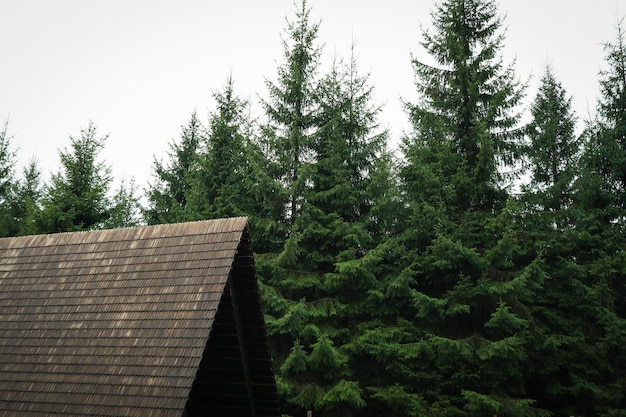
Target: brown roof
147 321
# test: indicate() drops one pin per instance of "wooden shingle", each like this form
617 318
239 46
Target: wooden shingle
147 321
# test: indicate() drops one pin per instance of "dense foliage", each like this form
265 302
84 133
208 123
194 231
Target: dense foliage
478 271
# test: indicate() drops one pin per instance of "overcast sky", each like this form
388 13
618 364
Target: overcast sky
139 68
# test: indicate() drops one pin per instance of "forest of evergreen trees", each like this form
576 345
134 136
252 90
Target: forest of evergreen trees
478 271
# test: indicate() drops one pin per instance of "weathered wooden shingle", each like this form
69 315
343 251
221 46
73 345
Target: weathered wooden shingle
148 321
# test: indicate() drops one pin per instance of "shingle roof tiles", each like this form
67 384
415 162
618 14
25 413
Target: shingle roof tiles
110 323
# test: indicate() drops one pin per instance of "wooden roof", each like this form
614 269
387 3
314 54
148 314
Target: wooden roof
147 321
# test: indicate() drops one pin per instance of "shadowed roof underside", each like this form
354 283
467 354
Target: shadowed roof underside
148 321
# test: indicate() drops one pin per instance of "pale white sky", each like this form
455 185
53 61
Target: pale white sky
138 68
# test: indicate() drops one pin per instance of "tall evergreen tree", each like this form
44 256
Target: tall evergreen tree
229 178
554 148
601 205
76 198
290 111
218 190
26 205
602 184
604 157
7 182
7 160
290 108
167 196
459 346
346 146
561 312
315 295
125 207
469 102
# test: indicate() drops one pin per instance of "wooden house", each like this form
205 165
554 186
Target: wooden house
148 321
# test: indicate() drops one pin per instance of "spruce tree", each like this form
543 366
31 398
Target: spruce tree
8 226
464 284
125 207
553 147
611 148
313 294
469 103
167 195
290 109
27 201
290 112
600 203
346 146
558 352
77 198
218 180
602 183
230 177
